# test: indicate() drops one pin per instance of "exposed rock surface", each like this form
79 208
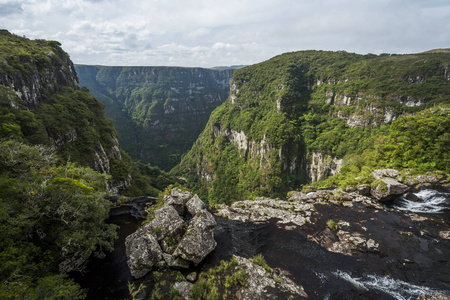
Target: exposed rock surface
184 289
199 238
386 188
165 241
143 252
195 205
177 199
261 285
323 166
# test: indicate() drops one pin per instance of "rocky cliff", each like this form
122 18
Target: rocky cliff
158 111
42 103
294 118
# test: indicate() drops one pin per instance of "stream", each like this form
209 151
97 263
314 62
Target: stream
323 274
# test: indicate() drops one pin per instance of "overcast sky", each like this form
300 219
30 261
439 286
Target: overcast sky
207 33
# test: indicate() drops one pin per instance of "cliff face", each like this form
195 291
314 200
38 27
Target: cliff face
35 76
293 119
158 111
50 108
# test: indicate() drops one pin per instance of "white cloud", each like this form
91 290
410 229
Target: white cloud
208 33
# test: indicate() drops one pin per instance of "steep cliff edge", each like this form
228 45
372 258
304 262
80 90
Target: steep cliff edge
42 103
158 111
296 117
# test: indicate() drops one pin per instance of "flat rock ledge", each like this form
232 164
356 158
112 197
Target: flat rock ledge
296 211
168 240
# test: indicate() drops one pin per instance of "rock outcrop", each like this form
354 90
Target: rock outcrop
168 240
199 238
262 285
385 187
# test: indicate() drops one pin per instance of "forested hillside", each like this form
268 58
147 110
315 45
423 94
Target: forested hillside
59 159
158 111
303 116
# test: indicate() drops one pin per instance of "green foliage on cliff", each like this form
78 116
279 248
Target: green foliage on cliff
20 54
334 103
417 143
51 221
57 113
158 111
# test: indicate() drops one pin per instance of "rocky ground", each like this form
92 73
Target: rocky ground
327 244
410 247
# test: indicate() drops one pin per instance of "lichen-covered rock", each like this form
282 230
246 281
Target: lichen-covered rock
382 173
194 205
260 284
167 223
386 188
198 240
184 289
177 199
436 296
143 252
263 210
165 241
350 242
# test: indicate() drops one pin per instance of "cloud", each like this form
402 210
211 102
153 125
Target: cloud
208 33
10 8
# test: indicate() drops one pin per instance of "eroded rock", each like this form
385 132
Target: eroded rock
260 283
194 205
198 240
177 199
168 241
143 252
184 289
386 188
167 223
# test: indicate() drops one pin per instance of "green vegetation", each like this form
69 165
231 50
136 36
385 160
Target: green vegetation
260 261
417 143
158 111
51 222
260 141
220 282
332 225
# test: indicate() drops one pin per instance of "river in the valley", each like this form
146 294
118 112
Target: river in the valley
323 274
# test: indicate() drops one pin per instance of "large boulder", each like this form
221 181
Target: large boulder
143 252
198 240
194 205
386 188
177 199
167 223
165 241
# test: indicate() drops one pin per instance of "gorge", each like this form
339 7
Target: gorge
326 175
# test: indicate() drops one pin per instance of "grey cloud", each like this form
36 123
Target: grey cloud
10 8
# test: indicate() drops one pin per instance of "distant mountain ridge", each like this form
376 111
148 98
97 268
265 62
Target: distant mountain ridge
158 111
